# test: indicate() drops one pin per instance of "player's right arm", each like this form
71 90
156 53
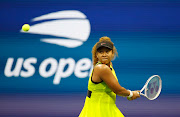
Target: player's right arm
104 73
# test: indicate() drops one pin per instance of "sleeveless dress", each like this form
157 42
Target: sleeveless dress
101 103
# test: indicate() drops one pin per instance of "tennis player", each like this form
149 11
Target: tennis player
103 84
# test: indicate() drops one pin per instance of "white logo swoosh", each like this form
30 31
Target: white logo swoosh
70 28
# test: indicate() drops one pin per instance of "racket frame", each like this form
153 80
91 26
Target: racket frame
144 87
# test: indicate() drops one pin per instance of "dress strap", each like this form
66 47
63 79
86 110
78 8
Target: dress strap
89 93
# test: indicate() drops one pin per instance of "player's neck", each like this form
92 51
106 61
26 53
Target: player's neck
108 64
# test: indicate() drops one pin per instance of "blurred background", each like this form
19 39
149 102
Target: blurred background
45 71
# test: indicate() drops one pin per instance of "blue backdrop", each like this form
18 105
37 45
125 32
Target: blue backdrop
145 33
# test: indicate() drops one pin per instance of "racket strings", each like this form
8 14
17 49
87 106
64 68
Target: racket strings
153 88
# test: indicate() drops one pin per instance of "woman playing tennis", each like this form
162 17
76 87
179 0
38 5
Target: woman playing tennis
103 84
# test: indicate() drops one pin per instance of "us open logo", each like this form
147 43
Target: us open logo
69 28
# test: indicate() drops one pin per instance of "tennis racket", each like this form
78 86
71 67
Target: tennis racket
152 88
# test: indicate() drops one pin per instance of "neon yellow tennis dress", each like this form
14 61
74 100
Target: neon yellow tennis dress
101 101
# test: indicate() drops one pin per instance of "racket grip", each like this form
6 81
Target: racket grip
139 93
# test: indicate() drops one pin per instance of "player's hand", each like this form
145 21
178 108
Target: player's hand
135 95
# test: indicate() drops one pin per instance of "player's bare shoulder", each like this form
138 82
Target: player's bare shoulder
101 68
